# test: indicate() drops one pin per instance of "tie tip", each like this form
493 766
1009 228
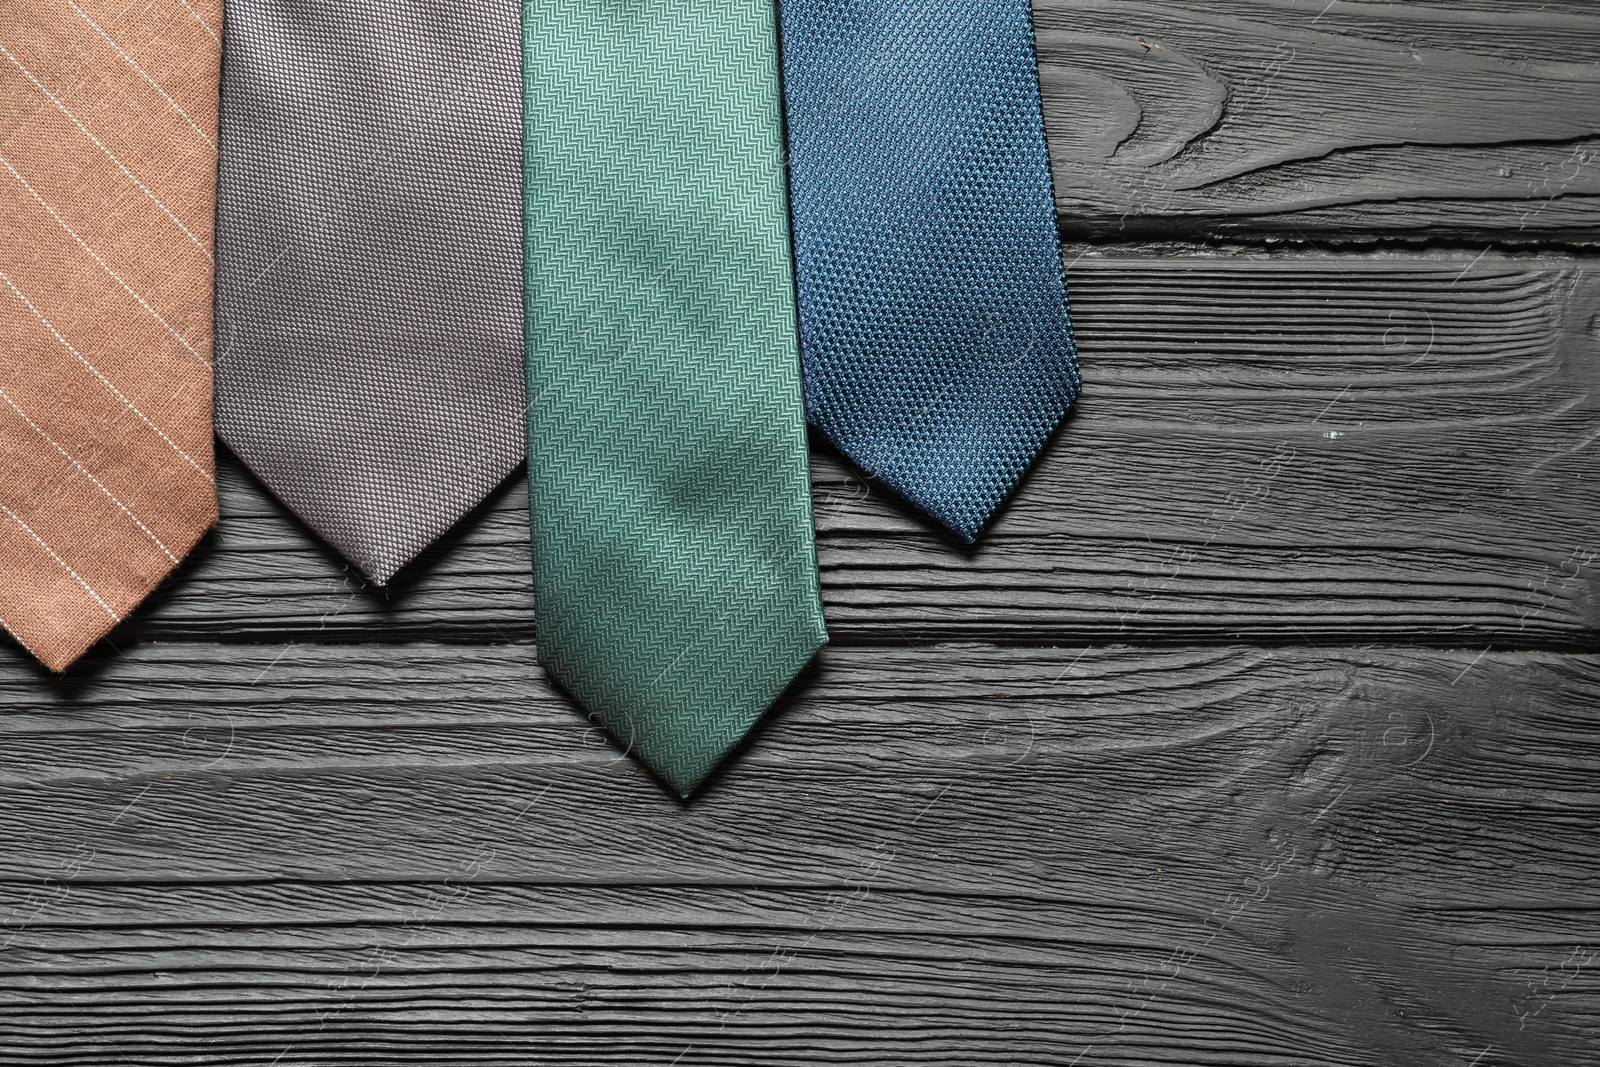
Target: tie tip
965 530
59 664
684 781
57 652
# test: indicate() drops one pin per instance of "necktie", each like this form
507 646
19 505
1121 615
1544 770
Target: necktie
938 350
369 265
107 191
673 557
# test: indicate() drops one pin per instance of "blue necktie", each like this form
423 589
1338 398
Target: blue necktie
933 308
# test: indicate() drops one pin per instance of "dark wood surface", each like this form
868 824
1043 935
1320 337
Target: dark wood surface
1261 729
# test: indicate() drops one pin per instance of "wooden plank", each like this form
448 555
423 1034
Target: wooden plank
363 830
1333 449
1311 120
967 854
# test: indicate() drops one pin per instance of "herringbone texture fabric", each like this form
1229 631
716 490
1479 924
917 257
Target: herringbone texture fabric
369 262
938 350
108 125
674 560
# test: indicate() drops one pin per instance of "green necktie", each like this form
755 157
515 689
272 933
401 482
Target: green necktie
673 555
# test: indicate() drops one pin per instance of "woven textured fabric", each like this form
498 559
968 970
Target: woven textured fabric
673 555
108 126
933 310
369 266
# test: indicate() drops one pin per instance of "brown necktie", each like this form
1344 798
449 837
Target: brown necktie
108 147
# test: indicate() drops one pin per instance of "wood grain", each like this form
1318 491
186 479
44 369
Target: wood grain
1329 449
1324 122
1258 730
967 854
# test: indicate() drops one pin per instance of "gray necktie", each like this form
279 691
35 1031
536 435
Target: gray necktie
369 269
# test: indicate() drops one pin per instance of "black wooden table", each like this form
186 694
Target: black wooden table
1259 730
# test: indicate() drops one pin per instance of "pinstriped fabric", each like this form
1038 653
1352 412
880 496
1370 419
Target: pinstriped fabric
938 348
673 554
108 124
